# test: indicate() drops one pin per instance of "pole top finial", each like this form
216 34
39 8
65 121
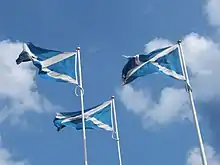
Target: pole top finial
113 97
78 48
179 41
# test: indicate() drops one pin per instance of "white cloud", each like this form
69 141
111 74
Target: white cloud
212 9
6 157
157 43
194 157
135 100
171 105
18 91
202 58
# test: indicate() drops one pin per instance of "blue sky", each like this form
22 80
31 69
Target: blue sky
106 30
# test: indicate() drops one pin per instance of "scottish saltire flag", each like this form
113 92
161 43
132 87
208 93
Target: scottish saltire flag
98 117
52 64
165 60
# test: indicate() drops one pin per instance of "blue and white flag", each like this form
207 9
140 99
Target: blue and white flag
165 60
98 117
52 64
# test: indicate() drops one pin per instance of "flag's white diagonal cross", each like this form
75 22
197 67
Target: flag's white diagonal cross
168 71
152 60
89 113
64 77
100 124
52 60
57 58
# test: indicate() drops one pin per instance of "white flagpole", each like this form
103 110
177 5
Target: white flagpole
189 90
116 130
82 107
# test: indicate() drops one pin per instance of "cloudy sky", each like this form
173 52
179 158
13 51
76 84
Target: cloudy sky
154 117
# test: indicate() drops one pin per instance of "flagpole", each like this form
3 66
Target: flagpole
116 130
82 106
189 90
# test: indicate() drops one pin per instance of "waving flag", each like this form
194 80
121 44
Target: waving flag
52 64
98 117
165 60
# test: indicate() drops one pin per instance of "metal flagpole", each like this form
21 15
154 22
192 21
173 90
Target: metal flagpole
116 130
82 106
189 90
